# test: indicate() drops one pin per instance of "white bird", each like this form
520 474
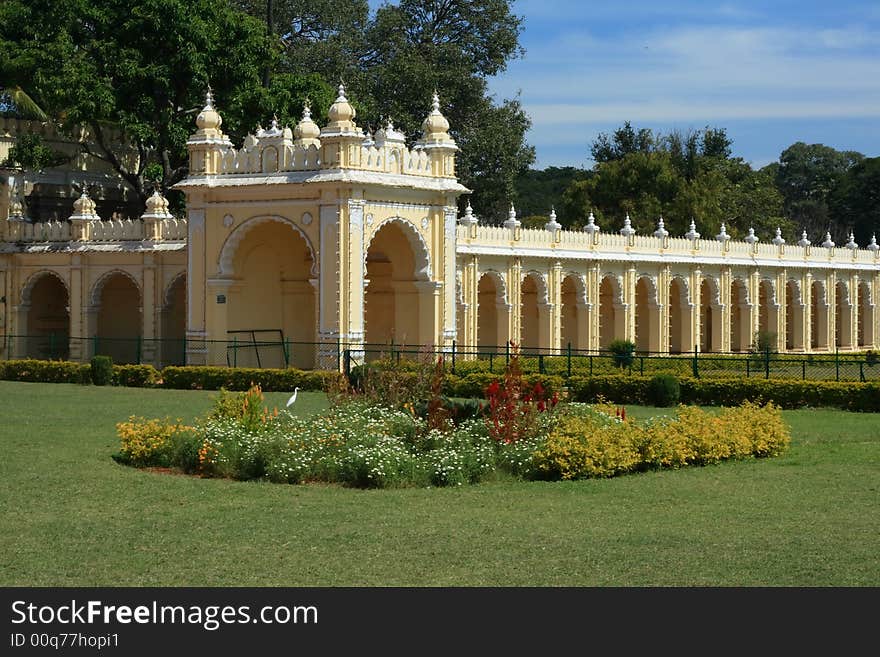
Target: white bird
293 396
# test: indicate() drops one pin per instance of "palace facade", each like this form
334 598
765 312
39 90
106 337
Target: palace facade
321 238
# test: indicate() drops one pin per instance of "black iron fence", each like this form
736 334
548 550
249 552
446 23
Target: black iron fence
252 350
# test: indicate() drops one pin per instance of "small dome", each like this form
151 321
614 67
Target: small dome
435 126
157 206
306 128
392 135
84 205
209 118
341 110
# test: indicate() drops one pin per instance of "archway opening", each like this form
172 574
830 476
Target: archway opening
270 309
767 316
119 325
842 316
740 338
818 317
571 313
490 298
48 319
647 316
866 316
610 312
530 329
710 309
794 318
174 324
679 324
398 300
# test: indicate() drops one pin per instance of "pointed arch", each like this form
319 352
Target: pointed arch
492 310
711 328
45 305
116 300
795 311
843 324
611 310
416 241
534 311
647 314
573 296
680 308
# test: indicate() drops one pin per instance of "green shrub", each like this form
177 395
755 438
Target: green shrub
135 376
102 370
622 352
663 390
45 371
198 377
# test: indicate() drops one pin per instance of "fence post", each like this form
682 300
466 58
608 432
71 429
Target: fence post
695 366
861 371
767 362
347 361
453 356
748 367
507 354
51 346
234 351
836 365
138 346
591 364
491 359
540 363
803 369
569 358
95 345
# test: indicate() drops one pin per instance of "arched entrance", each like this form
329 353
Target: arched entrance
679 317
399 304
740 338
710 310
270 306
573 296
866 316
116 301
492 313
767 314
842 316
818 317
611 312
534 313
47 322
794 317
647 316
173 344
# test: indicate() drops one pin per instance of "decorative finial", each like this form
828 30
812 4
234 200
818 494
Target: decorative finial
341 90
307 110
512 221
435 102
692 233
778 240
722 236
553 225
627 229
828 243
209 98
661 231
851 243
751 238
804 242
592 226
872 245
468 218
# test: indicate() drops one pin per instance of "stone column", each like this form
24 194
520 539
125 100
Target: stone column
593 294
78 347
514 299
150 311
629 304
329 329
448 314
554 294
196 290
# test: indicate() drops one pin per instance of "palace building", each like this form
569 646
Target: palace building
315 239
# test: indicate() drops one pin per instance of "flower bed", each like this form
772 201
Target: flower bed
388 435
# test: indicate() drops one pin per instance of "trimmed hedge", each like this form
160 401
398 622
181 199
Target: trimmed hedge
786 393
135 376
45 371
270 380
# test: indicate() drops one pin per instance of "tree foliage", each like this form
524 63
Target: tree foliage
136 75
679 176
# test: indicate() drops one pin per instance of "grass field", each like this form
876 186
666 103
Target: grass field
71 516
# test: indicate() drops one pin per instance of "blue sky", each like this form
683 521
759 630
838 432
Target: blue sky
771 73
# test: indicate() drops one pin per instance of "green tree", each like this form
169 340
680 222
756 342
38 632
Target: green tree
855 201
539 190
806 175
136 75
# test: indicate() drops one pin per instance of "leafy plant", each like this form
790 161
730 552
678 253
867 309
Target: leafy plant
622 352
664 390
102 370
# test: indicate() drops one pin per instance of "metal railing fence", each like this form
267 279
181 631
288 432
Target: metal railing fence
250 351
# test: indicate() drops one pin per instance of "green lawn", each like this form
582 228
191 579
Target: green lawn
71 516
